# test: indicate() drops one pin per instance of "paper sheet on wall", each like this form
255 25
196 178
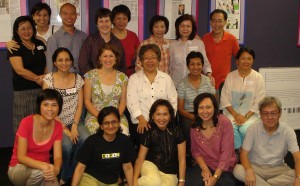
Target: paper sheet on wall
283 83
172 10
9 11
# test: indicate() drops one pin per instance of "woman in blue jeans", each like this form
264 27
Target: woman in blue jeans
69 86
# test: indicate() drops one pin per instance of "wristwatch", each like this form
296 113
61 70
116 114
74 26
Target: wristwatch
216 176
247 116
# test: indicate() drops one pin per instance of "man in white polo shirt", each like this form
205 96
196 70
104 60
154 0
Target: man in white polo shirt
264 148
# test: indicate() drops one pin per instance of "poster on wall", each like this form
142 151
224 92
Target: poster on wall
172 9
9 11
81 10
136 8
235 10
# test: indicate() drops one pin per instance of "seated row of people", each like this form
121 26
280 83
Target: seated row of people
161 158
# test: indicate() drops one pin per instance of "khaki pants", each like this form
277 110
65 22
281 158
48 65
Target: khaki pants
21 175
151 176
268 176
88 180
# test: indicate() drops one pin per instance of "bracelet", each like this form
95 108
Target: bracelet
75 122
181 180
247 116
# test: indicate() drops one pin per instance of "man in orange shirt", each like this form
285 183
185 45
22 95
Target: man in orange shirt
220 46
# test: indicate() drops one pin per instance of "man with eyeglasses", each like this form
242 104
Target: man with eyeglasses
220 46
264 148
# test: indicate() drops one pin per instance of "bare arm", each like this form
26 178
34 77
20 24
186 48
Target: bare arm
182 111
27 161
53 171
182 163
122 104
128 171
79 170
87 92
138 164
296 156
77 115
17 64
250 175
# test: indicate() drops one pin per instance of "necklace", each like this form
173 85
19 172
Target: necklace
29 47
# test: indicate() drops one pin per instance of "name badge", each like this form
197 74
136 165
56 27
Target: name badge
193 48
249 82
71 90
166 46
40 47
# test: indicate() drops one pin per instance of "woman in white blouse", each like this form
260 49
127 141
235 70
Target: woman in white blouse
242 91
145 87
186 41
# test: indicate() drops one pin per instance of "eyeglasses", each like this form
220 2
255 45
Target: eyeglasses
113 123
25 29
149 58
267 114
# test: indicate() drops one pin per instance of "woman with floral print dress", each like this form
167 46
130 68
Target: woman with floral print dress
105 86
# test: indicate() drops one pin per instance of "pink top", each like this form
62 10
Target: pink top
130 44
38 152
218 150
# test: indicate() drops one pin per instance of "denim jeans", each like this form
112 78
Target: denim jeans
70 150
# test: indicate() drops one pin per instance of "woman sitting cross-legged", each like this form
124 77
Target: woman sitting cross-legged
211 144
103 153
162 150
36 136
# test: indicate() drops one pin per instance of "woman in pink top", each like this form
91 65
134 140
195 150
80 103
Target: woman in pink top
36 136
211 144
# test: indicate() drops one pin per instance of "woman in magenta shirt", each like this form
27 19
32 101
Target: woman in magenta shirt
211 144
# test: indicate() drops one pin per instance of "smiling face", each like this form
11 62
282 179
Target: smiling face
107 59
245 61
104 25
270 117
110 124
161 117
206 110
195 66
159 29
25 31
217 23
120 21
150 61
49 109
41 18
68 15
185 29
63 62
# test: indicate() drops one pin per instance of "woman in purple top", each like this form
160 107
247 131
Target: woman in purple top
212 144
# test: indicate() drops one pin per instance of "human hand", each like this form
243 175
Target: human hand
12 45
239 119
68 133
250 178
212 79
143 124
211 181
135 182
297 182
50 173
180 183
74 133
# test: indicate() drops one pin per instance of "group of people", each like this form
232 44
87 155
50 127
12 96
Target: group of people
113 108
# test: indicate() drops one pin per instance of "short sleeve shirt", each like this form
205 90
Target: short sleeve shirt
162 147
103 159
